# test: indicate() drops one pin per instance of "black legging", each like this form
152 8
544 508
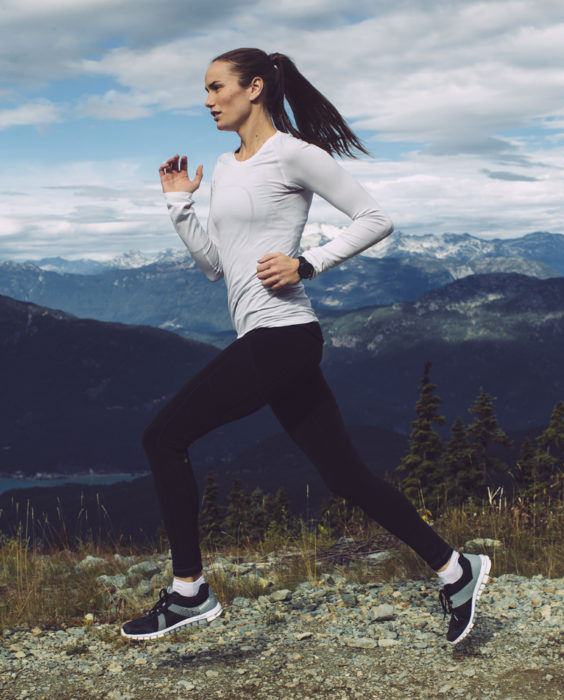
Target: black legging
279 367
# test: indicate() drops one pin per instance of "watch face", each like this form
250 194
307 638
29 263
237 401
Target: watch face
305 269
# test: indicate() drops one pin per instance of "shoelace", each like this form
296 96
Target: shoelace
162 603
445 602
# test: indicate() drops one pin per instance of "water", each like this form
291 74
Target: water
7 483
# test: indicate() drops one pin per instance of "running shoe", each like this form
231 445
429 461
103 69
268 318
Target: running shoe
459 599
173 611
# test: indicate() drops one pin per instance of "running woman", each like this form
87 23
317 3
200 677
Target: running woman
260 198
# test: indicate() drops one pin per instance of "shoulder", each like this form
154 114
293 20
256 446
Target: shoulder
290 147
301 160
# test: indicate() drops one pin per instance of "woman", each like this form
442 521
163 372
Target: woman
260 199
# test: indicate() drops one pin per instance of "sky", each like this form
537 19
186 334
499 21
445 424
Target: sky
460 102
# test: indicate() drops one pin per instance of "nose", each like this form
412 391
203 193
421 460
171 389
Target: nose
209 101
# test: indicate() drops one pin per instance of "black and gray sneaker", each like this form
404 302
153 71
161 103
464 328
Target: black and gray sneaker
172 611
460 598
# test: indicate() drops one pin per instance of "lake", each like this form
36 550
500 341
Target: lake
7 483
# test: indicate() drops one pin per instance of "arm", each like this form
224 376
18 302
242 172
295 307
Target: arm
309 167
178 189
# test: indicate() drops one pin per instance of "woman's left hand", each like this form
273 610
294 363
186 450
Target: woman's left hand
277 270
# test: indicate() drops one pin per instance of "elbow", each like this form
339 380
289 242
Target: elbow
214 275
388 227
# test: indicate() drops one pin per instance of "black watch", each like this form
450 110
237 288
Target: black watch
305 269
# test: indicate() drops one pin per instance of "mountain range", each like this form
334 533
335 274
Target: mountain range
78 392
168 291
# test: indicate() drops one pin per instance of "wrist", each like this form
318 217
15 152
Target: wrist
305 269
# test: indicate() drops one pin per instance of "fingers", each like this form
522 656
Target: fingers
199 175
276 270
174 164
269 256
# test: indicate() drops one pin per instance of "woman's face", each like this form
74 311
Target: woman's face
229 103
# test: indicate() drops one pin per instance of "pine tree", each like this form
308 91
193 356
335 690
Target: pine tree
526 470
282 509
421 467
461 473
211 512
485 431
238 508
279 517
336 514
550 451
256 516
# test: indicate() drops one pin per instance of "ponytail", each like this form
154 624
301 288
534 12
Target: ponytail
317 121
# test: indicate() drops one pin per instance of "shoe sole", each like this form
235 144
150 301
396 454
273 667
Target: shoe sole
478 590
202 619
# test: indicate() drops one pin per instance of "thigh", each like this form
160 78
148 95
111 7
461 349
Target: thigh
224 390
239 380
309 413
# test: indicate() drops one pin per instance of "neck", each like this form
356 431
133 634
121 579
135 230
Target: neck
257 129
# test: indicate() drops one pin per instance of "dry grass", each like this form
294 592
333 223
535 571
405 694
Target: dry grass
40 586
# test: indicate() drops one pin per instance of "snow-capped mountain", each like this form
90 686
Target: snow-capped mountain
455 250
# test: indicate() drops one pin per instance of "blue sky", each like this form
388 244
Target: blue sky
460 102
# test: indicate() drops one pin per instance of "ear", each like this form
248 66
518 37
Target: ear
256 88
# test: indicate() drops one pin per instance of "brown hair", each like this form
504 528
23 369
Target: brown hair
317 121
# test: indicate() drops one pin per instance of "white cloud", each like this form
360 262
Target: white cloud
476 85
31 114
96 208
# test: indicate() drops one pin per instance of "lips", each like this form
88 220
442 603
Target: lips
215 115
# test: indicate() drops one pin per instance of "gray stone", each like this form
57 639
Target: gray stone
360 642
112 583
240 602
280 595
383 612
144 569
385 642
480 544
378 557
349 599
90 562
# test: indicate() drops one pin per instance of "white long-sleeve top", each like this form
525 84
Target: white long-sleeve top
260 206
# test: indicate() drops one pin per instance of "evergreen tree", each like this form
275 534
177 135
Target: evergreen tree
282 510
336 514
526 471
461 473
485 431
211 512
238 508
550 451
257 516
277 510
421 469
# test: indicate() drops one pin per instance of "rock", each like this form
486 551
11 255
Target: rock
378 557
89 563
480 544
280 595
383 612
360 642
144 569
349 599
112 583
186 685
303 635
240 602
386 642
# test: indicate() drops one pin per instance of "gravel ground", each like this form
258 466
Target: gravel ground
333 639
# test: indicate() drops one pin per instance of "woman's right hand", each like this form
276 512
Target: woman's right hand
174 175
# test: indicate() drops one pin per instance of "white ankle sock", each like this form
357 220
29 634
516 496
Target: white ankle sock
187 588
453 571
